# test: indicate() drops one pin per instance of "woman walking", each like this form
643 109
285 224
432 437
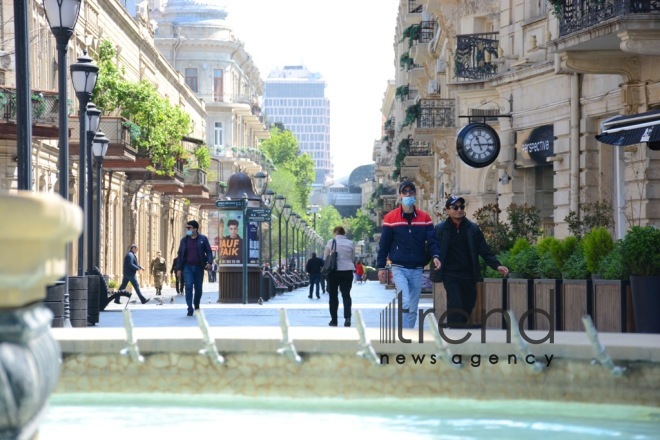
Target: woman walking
342 278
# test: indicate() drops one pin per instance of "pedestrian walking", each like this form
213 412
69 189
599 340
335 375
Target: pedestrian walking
178 280
461 243
131 268
409 241
193 258
158 269
313 268
342 278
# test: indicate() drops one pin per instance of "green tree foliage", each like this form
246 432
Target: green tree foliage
497 234
525 221
282 148
361 226
327 219
597 244
590 216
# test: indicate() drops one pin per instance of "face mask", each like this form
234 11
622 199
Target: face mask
408 201
189 232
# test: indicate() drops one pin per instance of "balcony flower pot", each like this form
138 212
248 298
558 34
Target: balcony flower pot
639 251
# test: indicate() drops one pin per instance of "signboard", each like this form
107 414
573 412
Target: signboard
230 231
535 146
228 204
258 214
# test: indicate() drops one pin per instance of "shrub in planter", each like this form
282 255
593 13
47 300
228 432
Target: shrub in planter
547 268
525 262
563 252
575 267
597 244
611 266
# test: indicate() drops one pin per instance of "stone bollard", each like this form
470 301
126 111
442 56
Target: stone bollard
34 229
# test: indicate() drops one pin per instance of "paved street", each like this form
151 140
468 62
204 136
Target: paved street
369 297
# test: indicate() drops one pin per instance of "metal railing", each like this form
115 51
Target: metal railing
414 7
419 148
45 106
474 52
436 113
581 14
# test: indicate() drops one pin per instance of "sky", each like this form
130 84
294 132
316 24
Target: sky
349 42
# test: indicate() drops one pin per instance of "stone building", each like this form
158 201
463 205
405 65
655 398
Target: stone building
543 74
143 208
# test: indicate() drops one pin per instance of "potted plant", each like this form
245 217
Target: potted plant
597 244
640 252
611 295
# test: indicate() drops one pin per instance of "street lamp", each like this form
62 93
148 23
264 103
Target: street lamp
99 149
296 240
280 200
93 122
268 201
62 16
314 209
287 216
303 235
83 76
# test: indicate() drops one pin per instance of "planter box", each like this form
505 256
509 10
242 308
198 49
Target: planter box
611 310
575 302
547 298
519 299
494 297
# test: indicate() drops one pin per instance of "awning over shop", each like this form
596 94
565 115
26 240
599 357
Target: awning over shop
633 129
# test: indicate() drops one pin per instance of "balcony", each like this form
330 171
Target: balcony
577 15
474 53
195 185
45 114
436 113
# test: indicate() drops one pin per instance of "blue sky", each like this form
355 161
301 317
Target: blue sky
349 42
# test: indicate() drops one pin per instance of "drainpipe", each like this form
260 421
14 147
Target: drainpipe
576 78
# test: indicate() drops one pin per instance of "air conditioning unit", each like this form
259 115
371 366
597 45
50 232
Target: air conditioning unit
7 61
433 87
440 65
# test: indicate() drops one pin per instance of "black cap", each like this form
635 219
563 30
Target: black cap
452 200
194 224
405 184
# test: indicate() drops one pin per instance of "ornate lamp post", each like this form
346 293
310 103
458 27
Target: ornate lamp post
303 237
99 149
296 241
268 197
62 16
93 122
280 201
287 216
83 76
314 209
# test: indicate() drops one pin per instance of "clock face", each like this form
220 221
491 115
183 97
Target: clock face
478 145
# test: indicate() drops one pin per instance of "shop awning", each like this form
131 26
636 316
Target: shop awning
633 129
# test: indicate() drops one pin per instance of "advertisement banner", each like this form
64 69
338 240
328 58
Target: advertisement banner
230 231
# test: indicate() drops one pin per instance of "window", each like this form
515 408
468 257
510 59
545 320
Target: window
191 79
217 86
217 132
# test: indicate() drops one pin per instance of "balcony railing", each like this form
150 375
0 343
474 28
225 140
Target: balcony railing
474 53
414 7
45 106
428 31
419 148
436 113
195 176
581 14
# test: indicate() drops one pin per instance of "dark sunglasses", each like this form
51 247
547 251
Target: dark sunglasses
408 191
457 207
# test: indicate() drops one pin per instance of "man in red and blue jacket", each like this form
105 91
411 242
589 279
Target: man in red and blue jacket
408 240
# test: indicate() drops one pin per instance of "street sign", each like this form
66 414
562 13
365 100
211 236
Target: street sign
229 204
258 214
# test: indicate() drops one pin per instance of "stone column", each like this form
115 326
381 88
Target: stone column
34 229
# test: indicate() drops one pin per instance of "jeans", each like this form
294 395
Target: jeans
314 280
340 280
134 282
193 276
409 283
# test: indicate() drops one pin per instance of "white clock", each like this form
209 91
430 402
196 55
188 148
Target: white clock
478 145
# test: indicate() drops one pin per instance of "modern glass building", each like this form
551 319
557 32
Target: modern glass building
295 97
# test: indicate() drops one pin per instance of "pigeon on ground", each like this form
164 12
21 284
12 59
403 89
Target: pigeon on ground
261 302
172 300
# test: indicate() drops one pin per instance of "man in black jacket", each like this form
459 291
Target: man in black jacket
194 257
313 268
461 244
131 268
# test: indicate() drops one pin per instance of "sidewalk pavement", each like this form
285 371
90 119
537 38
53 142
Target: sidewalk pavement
369 297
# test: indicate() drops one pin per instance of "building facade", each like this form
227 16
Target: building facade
295 97
543 75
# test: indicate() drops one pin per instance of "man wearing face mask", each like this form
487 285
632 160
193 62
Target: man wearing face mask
407 240
194 257
461 244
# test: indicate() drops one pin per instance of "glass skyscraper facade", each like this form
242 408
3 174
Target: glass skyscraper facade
295 97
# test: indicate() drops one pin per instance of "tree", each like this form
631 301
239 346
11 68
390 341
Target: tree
303 170
328 218
281 147
361 226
